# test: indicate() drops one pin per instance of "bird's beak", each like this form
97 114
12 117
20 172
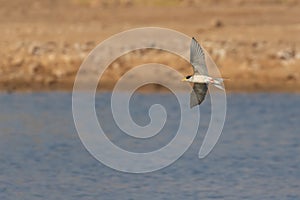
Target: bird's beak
184 79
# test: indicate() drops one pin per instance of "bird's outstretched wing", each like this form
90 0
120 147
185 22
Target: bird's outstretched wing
198 94
197 58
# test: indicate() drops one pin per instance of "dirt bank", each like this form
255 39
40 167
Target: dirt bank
256 45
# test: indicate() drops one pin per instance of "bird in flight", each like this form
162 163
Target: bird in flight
200 77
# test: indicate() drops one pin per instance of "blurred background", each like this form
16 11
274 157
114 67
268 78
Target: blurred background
254 43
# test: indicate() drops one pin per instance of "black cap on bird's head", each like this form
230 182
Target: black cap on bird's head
187 78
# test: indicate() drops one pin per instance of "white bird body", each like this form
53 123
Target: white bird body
197 78
200 77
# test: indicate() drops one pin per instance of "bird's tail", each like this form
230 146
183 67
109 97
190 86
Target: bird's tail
218 82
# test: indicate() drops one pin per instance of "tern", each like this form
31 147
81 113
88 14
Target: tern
200 77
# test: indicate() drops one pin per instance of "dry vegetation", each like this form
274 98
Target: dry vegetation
255 43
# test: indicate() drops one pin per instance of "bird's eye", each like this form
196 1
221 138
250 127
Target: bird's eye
188 77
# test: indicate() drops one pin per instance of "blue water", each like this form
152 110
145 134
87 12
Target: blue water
256 157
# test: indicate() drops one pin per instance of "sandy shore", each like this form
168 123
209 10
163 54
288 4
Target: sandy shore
256 45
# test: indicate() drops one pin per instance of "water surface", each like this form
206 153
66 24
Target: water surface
256 157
